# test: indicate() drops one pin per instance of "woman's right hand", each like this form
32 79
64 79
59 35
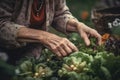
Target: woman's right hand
58 45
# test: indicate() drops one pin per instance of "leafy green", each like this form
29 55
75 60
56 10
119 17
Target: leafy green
90 63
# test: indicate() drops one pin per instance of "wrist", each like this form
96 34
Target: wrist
42 36
74 25
30 35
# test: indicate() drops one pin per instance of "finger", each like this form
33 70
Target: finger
59 48
97 35
57 53
85 38
62 51
99 39
73 47
67 49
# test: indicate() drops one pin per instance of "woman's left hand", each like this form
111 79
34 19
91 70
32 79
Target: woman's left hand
84 31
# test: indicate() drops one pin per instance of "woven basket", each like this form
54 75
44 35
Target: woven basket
107 20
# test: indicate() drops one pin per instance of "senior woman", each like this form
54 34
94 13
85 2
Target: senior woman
24 25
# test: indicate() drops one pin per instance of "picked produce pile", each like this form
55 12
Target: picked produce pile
90 63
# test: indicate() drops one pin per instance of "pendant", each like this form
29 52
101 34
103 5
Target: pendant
37 14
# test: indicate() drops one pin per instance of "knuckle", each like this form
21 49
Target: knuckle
59 55
65 39
64 54
81 24
70 51
54 48
94 31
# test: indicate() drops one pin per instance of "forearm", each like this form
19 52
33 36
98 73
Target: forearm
74 25
58 45
30 35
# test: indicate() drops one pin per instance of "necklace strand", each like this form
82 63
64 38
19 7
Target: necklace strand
38 9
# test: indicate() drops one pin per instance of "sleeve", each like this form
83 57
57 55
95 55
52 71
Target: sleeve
62 15
8 29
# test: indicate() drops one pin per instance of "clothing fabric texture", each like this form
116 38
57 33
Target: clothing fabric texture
15 14
37 14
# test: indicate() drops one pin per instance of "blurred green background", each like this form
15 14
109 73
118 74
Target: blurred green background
81 9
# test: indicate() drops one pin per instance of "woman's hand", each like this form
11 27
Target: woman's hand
58 45
86 31
83 30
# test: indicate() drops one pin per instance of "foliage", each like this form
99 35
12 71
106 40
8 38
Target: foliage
90 63
6 70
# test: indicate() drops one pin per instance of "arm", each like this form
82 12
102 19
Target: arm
83 30
58 45
65 22
8 29
12 34
62 15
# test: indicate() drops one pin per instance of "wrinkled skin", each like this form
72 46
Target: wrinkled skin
59 45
